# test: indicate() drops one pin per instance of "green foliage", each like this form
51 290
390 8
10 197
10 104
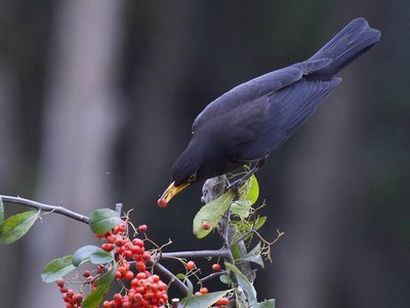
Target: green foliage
101 257
201 301
93 253
253 256
103 220
226 279
57 268
244 283
249 194
95 298
17 226
212 213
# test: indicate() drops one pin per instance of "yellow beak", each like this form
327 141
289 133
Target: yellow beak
171 192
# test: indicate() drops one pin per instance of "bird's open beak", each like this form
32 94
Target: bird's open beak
170 192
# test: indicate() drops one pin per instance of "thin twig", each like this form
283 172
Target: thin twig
46 207
224 253
211 276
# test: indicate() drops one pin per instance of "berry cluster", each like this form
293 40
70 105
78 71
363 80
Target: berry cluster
72 300
131 262
146 291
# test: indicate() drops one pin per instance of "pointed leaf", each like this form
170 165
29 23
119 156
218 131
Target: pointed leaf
253 190
95 298
84 253
103 220
226 279
101 257
1 211
201 301
254 256
260 221
57 268
249 193
211 213
270 303
16 226
243 283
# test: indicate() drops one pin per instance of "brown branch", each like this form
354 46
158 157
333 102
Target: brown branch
46 207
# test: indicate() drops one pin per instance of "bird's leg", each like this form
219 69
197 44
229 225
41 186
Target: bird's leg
239 182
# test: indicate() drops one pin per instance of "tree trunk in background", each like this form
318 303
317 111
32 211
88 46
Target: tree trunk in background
78 133
156 101
9 169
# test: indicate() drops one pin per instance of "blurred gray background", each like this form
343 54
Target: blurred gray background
97 99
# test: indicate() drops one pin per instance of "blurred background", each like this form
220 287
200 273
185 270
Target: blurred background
97 99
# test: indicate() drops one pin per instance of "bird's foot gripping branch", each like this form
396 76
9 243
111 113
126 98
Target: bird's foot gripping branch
126 259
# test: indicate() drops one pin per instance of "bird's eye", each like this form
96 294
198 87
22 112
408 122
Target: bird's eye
192 177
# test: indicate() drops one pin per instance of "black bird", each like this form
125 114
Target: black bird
250 121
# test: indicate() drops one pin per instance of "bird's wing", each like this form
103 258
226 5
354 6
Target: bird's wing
294 104
259 87
278 116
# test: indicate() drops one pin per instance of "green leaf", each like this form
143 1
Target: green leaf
84 253
270 303
201 301
16 226
211 213
249 194
241 208
253 190
236 251
243 283
95 298
254 256
57 268
1 211
260 221
103 220
101 257
226 279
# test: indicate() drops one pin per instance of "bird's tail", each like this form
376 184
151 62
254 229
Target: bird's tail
350 43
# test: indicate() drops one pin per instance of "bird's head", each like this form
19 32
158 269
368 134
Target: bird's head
186 171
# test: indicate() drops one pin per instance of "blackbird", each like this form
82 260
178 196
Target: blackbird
250 121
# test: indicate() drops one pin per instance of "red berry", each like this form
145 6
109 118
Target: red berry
129 275
190 265
86 274
206 226
78 298
119 242
216 267
162 203
141 266
146 256
118 274
203 290
138 242
222 301
141 275
142 228
60 282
